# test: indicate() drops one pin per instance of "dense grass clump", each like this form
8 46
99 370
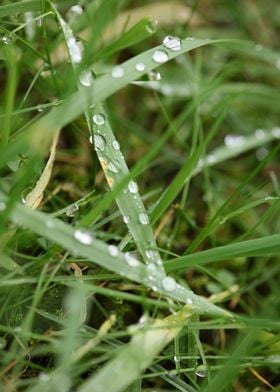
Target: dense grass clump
139 196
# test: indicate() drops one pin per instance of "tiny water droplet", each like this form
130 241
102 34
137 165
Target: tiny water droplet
234 140
190 38
44 377
72 209
86 78
222 220
2 206
131 260
74 11
113 250
151 26
126 219
143 218
99 142
177 358
155 75
114 166
140 67
83 236
160 56
132 187
259 133
40 108
168 283
117 72
99 119
201 371
150 254
189 301
172 43
115 145
8 39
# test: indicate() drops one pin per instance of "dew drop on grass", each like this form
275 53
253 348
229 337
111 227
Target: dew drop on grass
143 218
72 209
113 250
172 43
115 145
177 358
83 236
99 119
189 301
259 133
85 78
117 72
154 75
99 142
168 283
131 260
126 219
151 26
190 38
201 371
114 166
140 67
2 206
160 56
234 140
44 377
8 39
74 50
132 187
74 11
276 132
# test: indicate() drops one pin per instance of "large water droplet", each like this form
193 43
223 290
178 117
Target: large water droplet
172 43
143 218
140 67
201 371
117 72
74 50
99 119
83 236
99 142
154 75
113 250
160 56
259 133
131 260
132 187
114 166
234 140
151 26
168 283
86 78
115 145
72 209
126 219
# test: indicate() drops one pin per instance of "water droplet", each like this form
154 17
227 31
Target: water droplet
211 159
168 283
114 166
86 78
83 236
140 67
150 254
74 50
99 119
2 206
74 11
113 250
44 377
160 56
259 133
189 301
172 43
190 38
132 187
115 145
222 220
99 142
234 140
131 260
40 108
276 132
261 153
154 75
72 209
8 39
91 139
143 218
126 219
201 371
117 72
151 26
177 358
